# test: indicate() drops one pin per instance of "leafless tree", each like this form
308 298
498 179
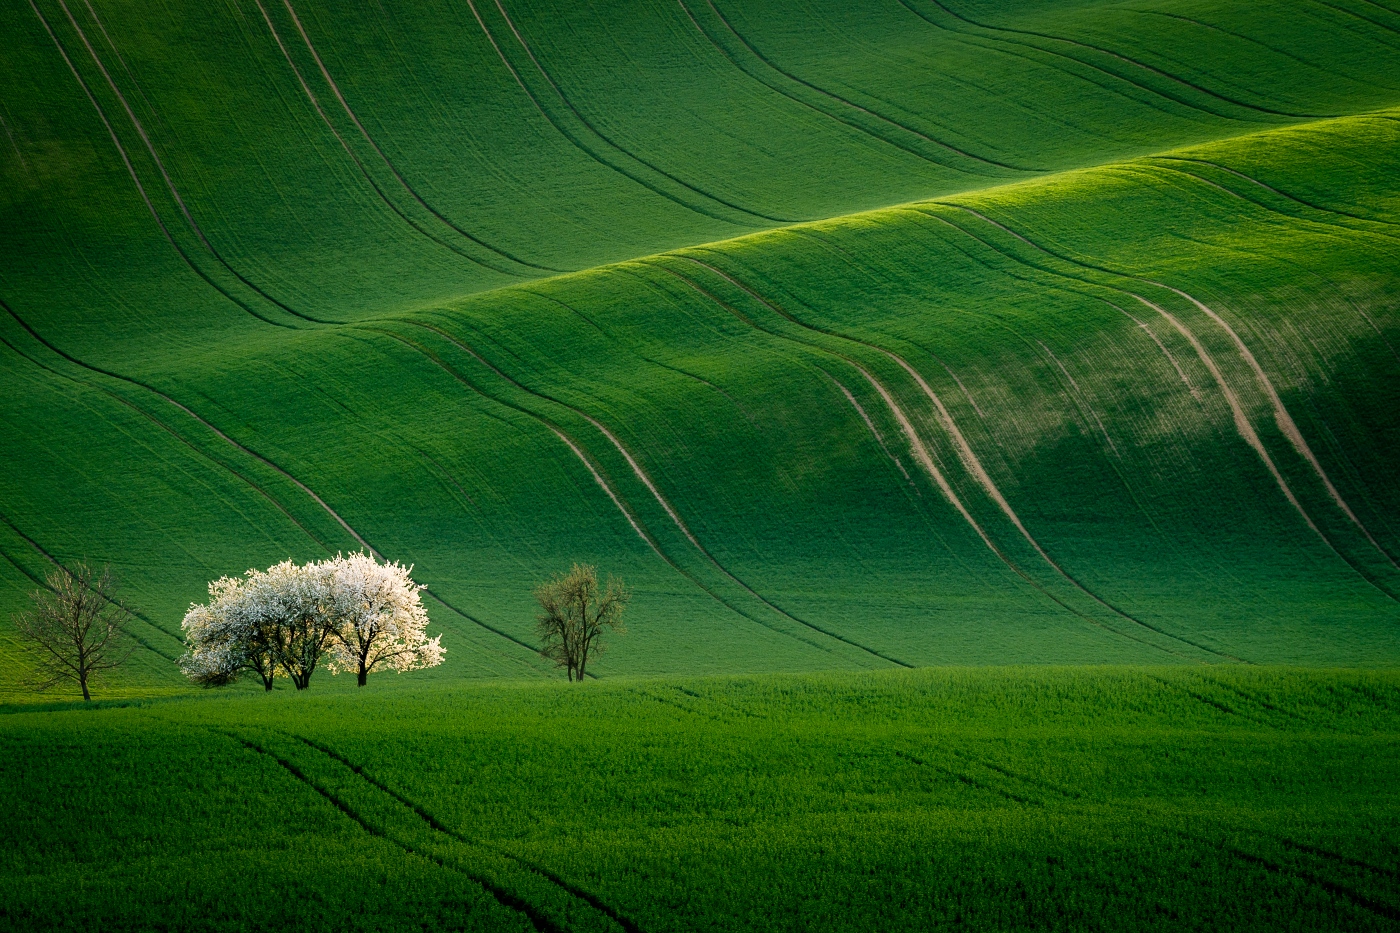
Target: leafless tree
575 613
76 629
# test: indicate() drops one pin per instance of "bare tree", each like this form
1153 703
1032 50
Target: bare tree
575 613
76 629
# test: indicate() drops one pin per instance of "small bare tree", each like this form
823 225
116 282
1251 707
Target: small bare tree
76 629
575 613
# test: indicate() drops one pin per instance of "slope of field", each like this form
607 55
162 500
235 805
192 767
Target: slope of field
1116 381
1104 799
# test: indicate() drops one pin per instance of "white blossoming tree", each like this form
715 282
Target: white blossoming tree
229 636
381 619
356 613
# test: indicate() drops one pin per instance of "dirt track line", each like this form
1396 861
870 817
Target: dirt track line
974 466
768 63
642 475
1242 423
413 192
169 183
869 424
1135 63
438 826
927 461
541 923
1195 393
597 475
1082 399
1283 419
140 188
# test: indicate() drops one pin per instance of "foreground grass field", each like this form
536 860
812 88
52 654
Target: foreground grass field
998 799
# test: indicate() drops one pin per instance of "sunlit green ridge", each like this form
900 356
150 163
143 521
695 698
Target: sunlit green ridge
1053 333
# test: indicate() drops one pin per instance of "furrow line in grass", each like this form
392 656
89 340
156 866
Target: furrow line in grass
173 433
487 626
169 183
438 826
646 480
1284 420
1152 93
1339 858
413 192
1243 38
316 105
969 780
140 188
539 66
1289 197
1242 423
45 584
927 461
975 468
1116 466
1207 701
506 899
274 501
1081 400
1356 898
1332 887
588 463
1365 19
768 65
870 424
591 151
646 359
154 391
1132 62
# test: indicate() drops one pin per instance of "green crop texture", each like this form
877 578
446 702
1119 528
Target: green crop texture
993 406
996 799
850 335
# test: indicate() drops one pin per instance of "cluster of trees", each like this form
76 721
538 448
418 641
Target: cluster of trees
352 611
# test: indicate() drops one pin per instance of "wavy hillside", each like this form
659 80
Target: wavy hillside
898 334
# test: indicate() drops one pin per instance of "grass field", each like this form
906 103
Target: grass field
993 406
991 798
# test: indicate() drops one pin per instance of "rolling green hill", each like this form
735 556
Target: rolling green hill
852 336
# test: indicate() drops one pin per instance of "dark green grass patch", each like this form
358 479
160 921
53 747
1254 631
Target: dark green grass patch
1108 798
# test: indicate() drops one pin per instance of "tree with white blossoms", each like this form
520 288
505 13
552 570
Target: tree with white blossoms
280 622
229 636
380 618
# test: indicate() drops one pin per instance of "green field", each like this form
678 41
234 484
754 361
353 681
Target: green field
266 296
994 406
996 799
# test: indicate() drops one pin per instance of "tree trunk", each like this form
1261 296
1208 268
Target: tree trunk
82 682
267 684
364 675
